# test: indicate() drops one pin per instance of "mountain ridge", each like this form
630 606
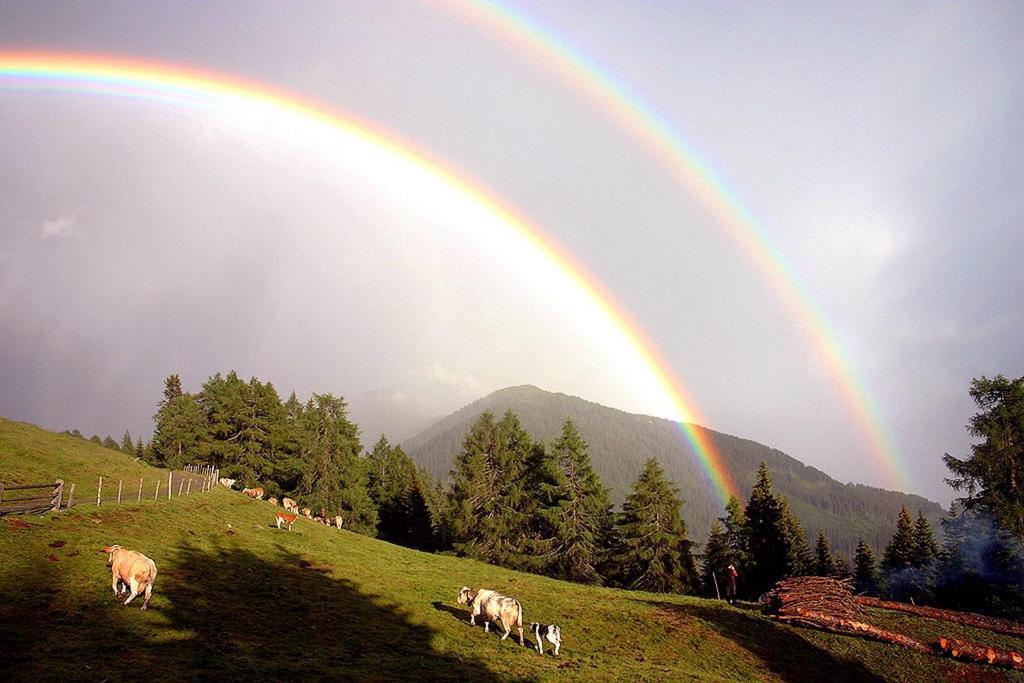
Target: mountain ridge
620 442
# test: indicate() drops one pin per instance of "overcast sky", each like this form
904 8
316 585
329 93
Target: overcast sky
880 145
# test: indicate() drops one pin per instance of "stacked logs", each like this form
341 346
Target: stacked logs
828 604
792 599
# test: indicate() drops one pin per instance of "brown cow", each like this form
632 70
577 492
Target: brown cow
284 517
136 571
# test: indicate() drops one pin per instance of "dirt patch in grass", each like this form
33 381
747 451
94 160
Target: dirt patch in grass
19 524
58 544
52 558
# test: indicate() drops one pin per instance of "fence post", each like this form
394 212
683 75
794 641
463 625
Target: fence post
99 492
189 491
58 494
156 496
169 484
181 486
1 492
119 483
71 497
140 489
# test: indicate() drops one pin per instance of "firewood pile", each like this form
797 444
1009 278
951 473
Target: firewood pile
794 599
829 605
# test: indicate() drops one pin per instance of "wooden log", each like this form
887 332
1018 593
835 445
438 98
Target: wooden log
827 622
24 487
967 618
967 651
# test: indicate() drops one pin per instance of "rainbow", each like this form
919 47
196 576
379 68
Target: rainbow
191 87
697 175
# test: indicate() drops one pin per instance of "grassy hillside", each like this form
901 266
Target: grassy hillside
236 599
620 442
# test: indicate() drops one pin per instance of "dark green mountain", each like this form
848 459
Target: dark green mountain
620 442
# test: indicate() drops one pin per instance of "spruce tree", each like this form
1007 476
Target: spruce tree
335 477
655 554
799 560
579 512
396 489
824 564
717 556
735 521
841 566
766 536
926 549
180 427
901 550
108 442
126 444
865 569
488 500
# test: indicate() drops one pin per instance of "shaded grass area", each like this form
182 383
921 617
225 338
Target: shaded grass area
238 599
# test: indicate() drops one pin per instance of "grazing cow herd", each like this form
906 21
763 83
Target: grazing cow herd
135 574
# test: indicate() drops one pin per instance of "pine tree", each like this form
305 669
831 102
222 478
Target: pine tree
824 564
799 560
488 512
991 475
180 427
108 442
126 443
901 549
717 556
655 554
395 487
579 512
926 550
766 536
335 477
841 566
735 521
865 569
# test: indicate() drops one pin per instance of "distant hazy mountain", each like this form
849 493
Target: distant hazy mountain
620 442
391 413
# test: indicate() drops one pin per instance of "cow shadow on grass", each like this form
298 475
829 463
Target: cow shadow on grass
778 648
224 613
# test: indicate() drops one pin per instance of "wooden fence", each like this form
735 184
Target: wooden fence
107 491
31 504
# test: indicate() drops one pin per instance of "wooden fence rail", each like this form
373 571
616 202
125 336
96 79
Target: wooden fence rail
31 504
51 496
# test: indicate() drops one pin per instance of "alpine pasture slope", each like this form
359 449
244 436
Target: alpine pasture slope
236 599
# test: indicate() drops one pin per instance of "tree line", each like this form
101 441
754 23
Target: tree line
523 504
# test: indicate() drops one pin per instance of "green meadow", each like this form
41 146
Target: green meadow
237 599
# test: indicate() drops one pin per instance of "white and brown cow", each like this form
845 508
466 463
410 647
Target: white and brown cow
500 609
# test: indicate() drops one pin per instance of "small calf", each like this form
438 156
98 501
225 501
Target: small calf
338 521
273 500
285 518
307 513
133 569
290 505
548 632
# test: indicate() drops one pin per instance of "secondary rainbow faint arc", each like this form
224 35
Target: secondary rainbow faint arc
161 81
698 176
